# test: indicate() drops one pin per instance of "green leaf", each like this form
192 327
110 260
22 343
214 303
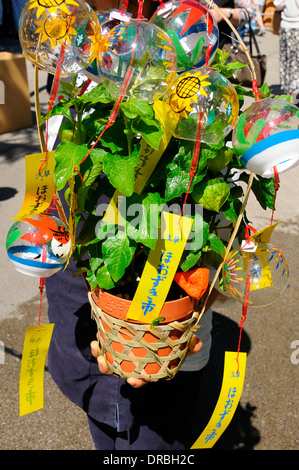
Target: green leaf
69 88
212 194
265 91
201 231
89 232
134 108
143 120
94 122
99 94
231 209
114 138
178 176
216 244
284 97
98 274
262 188
62 109
118 252
267 191
91 279
222 66
190 260
95 257
119 170
149 129
142 218
67 156
220 160
103 278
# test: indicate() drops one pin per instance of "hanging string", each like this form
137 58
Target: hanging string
208 54
46 145
276 188
162 4
125 6
256 90
246 293
195 155
140 9
85 86
244 309
42 285
41 289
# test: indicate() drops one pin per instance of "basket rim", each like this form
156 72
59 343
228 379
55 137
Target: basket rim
172 310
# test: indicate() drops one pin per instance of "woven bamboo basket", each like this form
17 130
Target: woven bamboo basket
134 349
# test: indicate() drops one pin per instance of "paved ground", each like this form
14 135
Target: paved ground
267 417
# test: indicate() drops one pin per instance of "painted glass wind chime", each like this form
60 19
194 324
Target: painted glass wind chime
65 37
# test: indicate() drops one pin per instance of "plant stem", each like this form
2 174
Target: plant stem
79 113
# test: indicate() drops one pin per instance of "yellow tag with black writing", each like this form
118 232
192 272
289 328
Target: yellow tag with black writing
230 394
36 345
39 184
160 268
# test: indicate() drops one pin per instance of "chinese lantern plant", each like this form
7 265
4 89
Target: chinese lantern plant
112 256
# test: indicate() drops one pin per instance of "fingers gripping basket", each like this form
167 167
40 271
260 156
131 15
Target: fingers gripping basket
138 350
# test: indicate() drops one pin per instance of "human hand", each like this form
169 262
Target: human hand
103 366
194 346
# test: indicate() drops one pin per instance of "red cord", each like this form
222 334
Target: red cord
248 228
255 89
195 156
140 9
244 309
208 54
276 187
41 289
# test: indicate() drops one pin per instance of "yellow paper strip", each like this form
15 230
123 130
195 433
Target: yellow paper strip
262 237
148 160
160 268
230 394
36 345
39 188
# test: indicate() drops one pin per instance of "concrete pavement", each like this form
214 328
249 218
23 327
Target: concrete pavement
267 417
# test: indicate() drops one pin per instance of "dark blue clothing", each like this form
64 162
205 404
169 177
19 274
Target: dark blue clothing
70 361
151 417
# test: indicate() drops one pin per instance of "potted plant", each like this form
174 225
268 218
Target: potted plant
111 254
